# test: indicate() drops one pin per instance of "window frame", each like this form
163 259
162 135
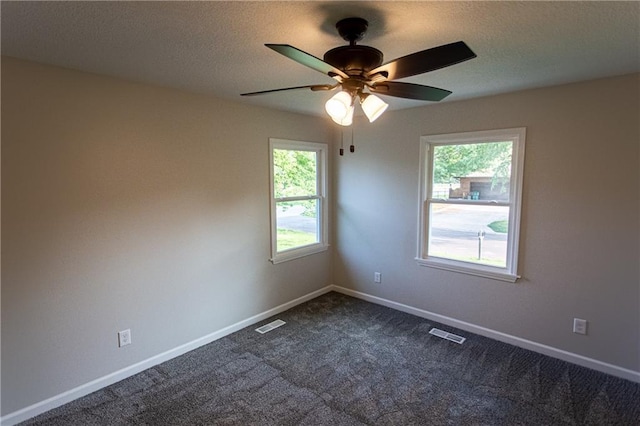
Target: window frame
517 137
321 198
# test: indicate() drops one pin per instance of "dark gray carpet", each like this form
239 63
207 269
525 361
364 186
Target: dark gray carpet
343 361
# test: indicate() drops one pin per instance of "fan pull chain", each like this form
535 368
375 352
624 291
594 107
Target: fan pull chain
342 143
352 148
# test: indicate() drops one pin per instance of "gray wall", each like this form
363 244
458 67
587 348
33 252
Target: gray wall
131 206
580 219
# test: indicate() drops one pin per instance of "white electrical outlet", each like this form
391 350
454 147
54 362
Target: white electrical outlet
579 326
377 277
124 338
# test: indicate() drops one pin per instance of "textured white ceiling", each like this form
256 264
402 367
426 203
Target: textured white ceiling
218 47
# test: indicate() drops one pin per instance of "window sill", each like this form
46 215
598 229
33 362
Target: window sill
479 270
297 253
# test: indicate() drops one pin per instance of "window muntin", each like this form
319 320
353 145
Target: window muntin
298 207
470 210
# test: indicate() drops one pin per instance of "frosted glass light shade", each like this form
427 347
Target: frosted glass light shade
339 105
347 120
373 107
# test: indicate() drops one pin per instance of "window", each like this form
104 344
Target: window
471 185
298 199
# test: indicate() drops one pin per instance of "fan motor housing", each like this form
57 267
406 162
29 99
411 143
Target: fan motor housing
354 60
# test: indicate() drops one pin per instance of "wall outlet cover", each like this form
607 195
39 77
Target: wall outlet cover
579 326
124 338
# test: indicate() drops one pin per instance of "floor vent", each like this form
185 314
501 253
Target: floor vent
449 336
268 327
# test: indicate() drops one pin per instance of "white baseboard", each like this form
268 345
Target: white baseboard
94 385
87 388
573 358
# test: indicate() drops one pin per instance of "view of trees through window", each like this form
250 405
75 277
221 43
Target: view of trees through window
453 161
295 185
469 203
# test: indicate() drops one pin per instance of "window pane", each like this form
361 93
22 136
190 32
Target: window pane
294 173
469 233
297 224
480 171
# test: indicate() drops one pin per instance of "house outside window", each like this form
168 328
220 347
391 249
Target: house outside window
471 192
298 177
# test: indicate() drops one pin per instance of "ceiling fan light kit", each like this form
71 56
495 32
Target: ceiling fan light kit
341 107
360 72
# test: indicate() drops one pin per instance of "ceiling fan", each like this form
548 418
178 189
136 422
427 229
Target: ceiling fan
358 68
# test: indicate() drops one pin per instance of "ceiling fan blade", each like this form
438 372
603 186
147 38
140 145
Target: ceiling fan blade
313 87
410 91
425 60
307 59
